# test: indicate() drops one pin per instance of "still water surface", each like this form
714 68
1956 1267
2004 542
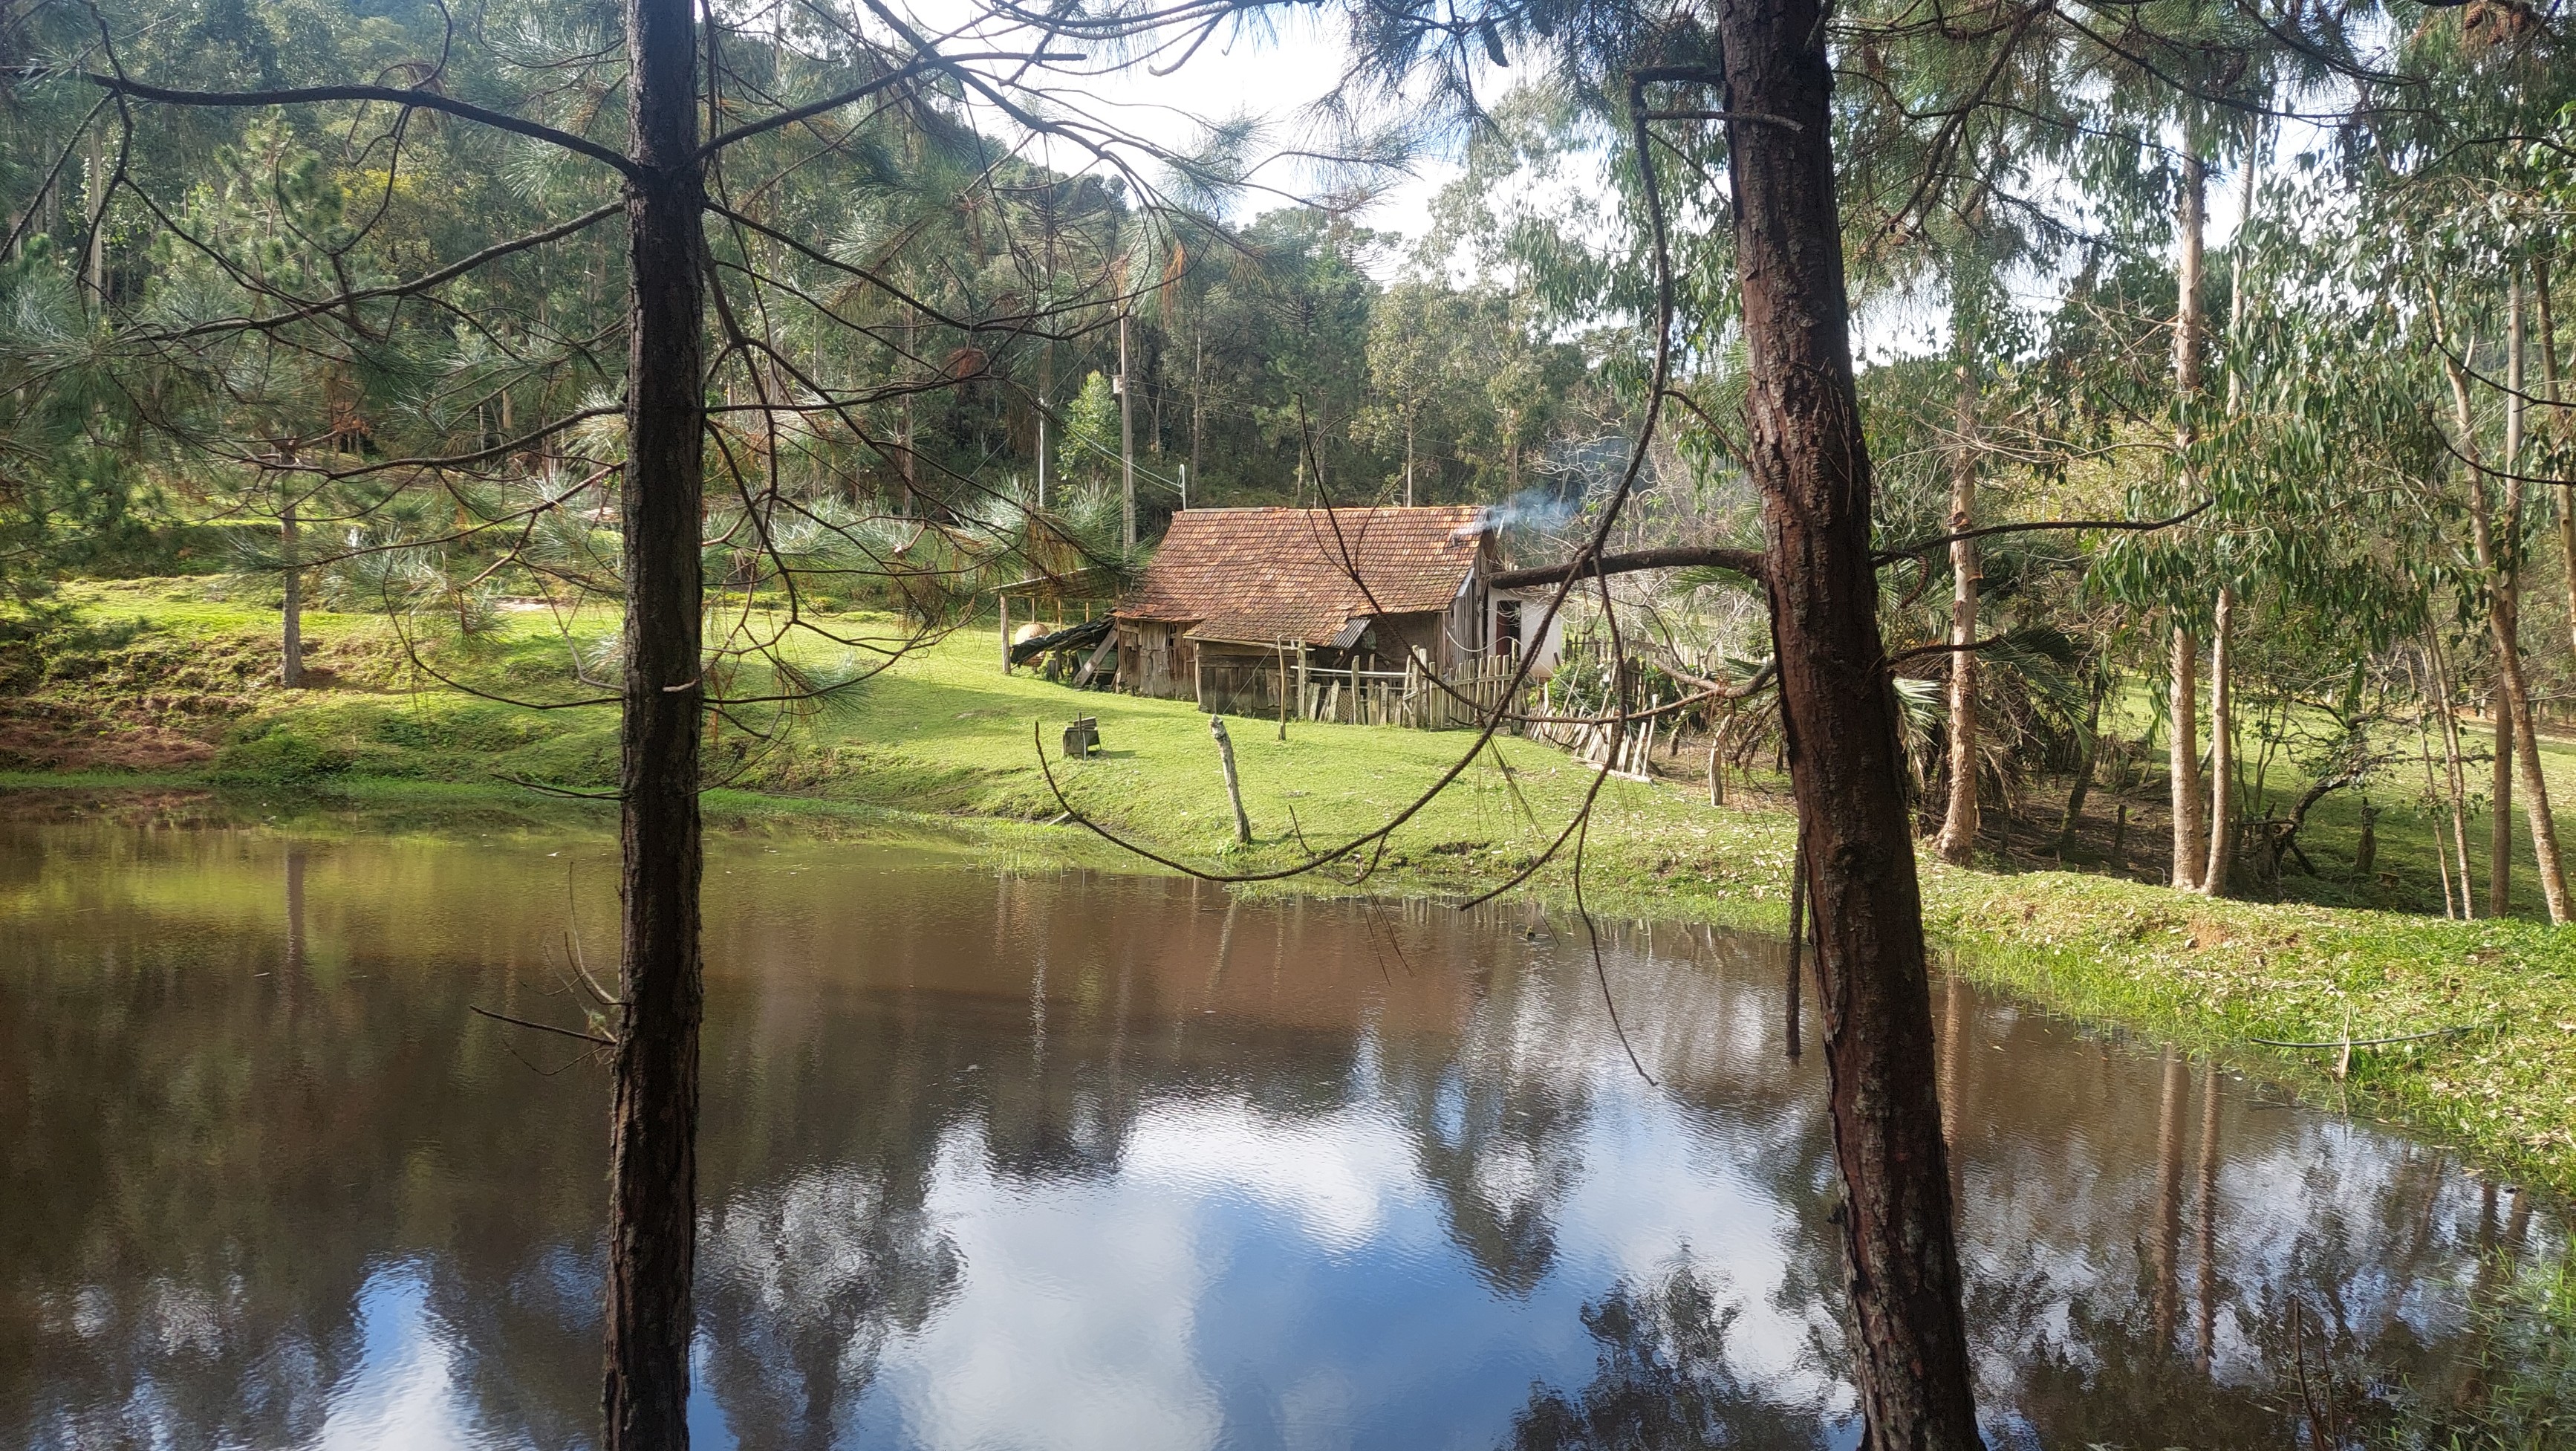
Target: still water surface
1076 1161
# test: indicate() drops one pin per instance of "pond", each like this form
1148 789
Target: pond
999 1159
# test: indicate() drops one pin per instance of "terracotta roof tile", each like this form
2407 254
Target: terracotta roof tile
1262 575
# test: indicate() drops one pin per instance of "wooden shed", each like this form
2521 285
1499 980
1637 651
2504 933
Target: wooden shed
1242 605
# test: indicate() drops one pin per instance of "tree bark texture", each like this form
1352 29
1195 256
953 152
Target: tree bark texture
2183 761
1957 843
2222 745
653 1149
1807 455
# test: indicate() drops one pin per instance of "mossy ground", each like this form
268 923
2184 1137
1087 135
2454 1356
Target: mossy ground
168 685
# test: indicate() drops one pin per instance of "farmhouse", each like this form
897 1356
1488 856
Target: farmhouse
1240 606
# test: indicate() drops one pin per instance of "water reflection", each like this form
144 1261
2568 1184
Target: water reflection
1075 1162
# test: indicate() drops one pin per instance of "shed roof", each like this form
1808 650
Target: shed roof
1258 576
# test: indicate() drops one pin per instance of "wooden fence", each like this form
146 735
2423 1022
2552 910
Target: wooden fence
1593 741
1253 687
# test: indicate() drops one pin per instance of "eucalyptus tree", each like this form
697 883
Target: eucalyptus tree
2451 223
1413 363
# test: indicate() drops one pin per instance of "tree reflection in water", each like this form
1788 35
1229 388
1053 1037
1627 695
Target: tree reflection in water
1093 1162
1665 1381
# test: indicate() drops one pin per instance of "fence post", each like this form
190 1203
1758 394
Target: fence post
1233 787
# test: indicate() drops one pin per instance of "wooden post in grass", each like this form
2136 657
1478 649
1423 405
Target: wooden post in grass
1005 601
1233 786
1283 690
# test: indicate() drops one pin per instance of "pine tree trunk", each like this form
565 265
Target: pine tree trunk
1808 457
2222 745
1957 843
653 1152
290 671
1126 445
2183 762
94 256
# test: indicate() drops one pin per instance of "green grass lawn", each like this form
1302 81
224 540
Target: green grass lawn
186 669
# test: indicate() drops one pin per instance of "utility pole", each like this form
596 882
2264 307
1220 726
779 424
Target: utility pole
1126 443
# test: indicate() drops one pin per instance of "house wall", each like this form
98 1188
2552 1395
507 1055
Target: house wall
1154 660
1543 653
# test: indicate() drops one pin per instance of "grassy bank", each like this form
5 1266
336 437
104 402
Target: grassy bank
162 686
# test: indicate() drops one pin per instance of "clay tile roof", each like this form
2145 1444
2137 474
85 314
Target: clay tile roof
1257 576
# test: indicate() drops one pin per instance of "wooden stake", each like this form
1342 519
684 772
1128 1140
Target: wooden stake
1233 787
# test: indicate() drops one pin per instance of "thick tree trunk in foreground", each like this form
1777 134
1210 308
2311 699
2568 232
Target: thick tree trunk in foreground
1957 842
1807 455
2222 746
653 1152
2183 761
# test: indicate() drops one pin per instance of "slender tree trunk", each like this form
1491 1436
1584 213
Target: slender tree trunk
2222 745
2505 627
653 1153
2500 820
2500 840
94 258
1957 843
2215 878
2441 854
1808 456
2183 762
2565 498
911 474
1126 445
1198 392
2190 848
1408 461
291 642
2084 767
2455 768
